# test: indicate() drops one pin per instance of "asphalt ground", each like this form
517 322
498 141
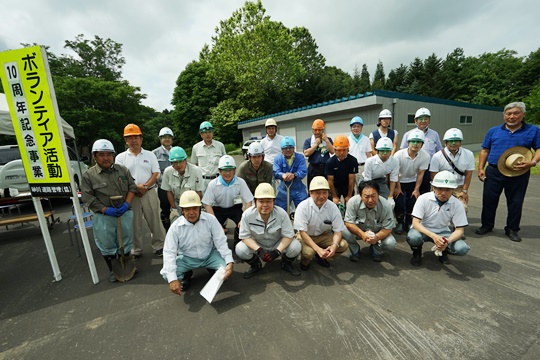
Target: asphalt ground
485 305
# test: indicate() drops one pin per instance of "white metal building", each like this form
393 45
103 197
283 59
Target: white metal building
474 120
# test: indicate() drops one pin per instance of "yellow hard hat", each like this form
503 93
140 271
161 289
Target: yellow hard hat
264 191
190 199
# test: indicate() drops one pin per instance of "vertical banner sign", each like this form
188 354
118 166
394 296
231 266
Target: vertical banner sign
27 82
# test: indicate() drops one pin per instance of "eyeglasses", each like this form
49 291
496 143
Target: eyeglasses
453 141
422 119
414 142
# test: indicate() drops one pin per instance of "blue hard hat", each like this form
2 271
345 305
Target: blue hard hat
287 141
356 120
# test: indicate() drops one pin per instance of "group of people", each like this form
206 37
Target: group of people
360 189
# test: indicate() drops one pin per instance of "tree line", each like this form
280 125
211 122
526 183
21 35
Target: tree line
256 66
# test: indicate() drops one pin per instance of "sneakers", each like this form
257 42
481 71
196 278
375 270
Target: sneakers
416 259
112 278
186 281
483 230
304 267
322 262
512 235
159 253
399 229
136 256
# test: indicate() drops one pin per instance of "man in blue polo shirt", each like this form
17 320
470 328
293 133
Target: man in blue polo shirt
497 146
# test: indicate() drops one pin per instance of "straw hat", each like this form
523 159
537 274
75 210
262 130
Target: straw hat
514 156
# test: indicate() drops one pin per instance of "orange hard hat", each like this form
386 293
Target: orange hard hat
132 130
318 124
341 142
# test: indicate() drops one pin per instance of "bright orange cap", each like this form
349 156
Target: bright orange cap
318 124
132 130
341 142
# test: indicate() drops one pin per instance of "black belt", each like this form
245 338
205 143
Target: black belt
494 165
379 180
210 177
361 164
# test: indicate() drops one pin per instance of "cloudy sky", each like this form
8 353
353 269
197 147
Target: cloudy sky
161 37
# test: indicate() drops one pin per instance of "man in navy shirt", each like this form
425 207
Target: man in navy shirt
341 171
514 132
317 149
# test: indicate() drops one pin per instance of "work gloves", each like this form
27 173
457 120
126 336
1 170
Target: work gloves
270 255
111 211
122 209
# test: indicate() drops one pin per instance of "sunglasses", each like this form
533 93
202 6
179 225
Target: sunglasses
414 142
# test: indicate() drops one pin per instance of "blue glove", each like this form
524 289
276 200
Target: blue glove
111 211
122 209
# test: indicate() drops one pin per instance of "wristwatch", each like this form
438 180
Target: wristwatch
337 244
465 191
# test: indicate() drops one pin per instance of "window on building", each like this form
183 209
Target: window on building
465 119
410 119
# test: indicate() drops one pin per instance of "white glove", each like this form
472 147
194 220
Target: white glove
174 215
392 202
436 251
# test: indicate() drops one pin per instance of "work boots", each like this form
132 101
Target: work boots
287 265
416 259
255 265
108 260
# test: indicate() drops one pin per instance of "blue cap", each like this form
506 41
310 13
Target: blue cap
356 120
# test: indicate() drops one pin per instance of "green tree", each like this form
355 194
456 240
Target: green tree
194 95
494 79
452 81
90 93
100 58
379 79
397 79
430 77
414 77
365 84
533 105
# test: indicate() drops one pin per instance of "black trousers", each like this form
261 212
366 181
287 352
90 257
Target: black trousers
315 170
405 204
233 213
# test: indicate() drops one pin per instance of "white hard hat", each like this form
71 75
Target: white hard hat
453 134
270 122
102 145
226 162
264 191
189 199
385 114
255 148
417 135
445 179
384 144
319 183
422 112
165 131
